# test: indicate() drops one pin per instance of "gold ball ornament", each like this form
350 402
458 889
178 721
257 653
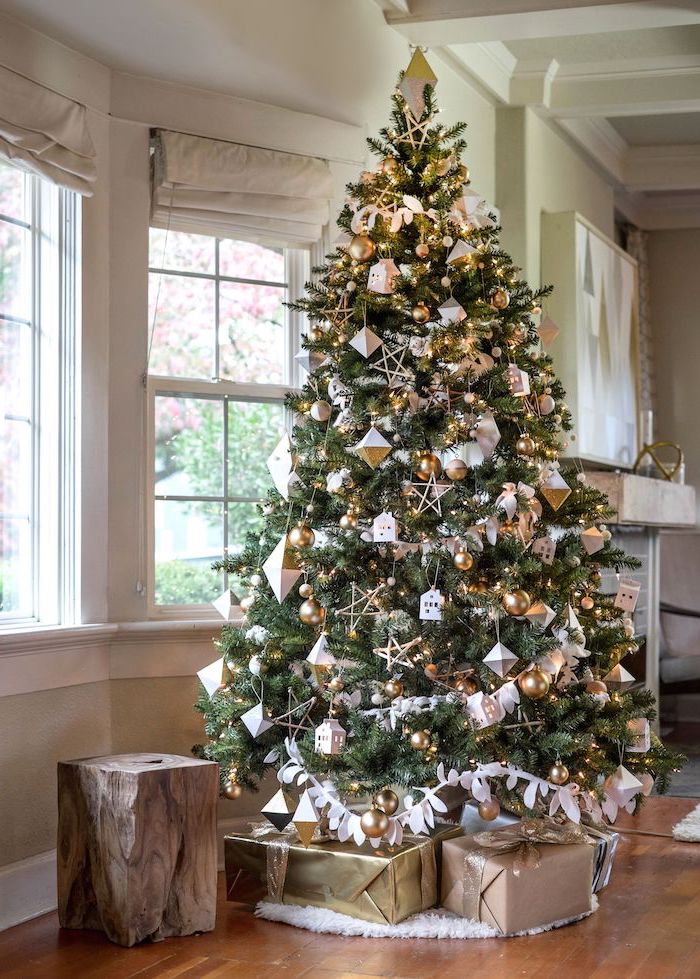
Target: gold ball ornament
525 446
246 603
315 333
516 602
587 603
420 740
336 684
430 670
456 469
393 688
558 774
466 684
546 403
422 250
301 536
374 823
386 800
428 465
463 172
388 165
479 587
534 684
348 521
596 687
232 790
320 411
420 313
500 299
306 590
362 248
463 560
490 810
311 612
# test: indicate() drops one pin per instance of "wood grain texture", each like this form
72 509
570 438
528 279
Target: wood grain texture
648 927
137 846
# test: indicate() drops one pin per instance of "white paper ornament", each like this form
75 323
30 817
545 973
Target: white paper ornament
462 253
622 786
320 655
484 709
372 447
384 527
555 490
415 78
282 569
257 720
618 678
518 381
540 614
592 540
641 730
487 434
544 548
281 465
366 342
305 818
431 603
212 676
226 605
451 312
547 331
329 737
309 360
627 594
382 275
500 659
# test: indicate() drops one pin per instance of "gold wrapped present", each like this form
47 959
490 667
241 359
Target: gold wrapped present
384 885
524 876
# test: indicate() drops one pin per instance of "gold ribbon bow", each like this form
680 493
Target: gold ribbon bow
522 837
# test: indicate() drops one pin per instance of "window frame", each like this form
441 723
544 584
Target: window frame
54 226
297 270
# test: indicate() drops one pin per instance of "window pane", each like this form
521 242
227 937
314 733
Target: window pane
15 369
15 271
251 333
177 250
189 536
183 336
12 192
253 432
15 567
244 260
189 447
242 518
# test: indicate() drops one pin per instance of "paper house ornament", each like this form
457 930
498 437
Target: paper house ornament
372 448
257 720
547 331
500 659
281 465
320 656
451 312
382 275
226 604
415 78
462 253
487 434
622 786
555 490
366 342
384 527
518 381
212 677
618 678
627 594
639 727
280 809
484 709
305 818
431 603
540 614
329 737
282 569
309 360
544 548
592 540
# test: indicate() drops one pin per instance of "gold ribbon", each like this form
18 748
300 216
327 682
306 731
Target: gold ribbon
521 837
277 857
428 866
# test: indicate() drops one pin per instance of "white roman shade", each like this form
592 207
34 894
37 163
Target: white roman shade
45 133
207 186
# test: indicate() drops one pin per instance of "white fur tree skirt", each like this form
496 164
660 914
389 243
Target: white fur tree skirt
429 924
688 829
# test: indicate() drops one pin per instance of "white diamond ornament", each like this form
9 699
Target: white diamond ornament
622 786
451 312
309 360
592 540
281 466
547 331
212 677
305 818
225 604
372 447
462 253
415 78
540 614
282 569
618 678
640 728
320 655
500 659
366 342
487 434
256 720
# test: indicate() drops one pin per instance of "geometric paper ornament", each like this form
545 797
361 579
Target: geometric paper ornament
309 360
372 448
211 677
282 569
500 659
627 594
622 786
381 276
544 548
415 78
540 614
555 490
329 737
257 720
618 678
280 809
547 331
487 434
592 539
305 818
225 605
320 656
639 727
462 253
366 342
281 465
451 312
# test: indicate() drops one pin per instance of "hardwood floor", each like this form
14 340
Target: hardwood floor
648 925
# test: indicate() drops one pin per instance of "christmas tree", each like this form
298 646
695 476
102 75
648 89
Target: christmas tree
418 618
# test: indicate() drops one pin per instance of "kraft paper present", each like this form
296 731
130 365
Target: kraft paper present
385 885
479 882
605 840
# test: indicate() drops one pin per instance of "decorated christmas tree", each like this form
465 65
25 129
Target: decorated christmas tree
423 607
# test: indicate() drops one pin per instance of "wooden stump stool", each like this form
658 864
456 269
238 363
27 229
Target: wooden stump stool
137 845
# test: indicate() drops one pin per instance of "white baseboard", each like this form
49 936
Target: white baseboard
27 889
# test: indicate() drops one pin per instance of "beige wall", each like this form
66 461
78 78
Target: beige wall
674 258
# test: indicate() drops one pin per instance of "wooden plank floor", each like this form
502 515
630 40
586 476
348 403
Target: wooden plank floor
648 925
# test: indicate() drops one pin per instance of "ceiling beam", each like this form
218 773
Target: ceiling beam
627 92
444 22
662 168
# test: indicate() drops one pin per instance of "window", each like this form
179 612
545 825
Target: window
220 360
38 314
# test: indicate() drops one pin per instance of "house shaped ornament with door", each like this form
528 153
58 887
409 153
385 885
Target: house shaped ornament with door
329 737
431 603
384 527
